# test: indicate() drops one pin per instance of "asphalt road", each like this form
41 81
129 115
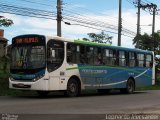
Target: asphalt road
139 102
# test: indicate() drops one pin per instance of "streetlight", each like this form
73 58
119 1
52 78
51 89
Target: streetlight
68 23
146 25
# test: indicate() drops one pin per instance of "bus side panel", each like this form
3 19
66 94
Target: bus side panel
96 77
105 77
143 77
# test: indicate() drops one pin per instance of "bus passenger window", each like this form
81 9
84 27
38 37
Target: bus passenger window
71 53
122 58
89 55
132 59
140 58
148 61
82 55
109 57
99 57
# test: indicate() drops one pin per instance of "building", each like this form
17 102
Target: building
3 43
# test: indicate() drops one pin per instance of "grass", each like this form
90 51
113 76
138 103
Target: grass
4 73
4 87
4 81
154 87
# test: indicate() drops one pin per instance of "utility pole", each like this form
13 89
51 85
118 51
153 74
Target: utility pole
120 23
153 24
152 8
59 17
154 13
138 21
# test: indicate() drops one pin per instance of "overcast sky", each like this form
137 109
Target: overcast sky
97 10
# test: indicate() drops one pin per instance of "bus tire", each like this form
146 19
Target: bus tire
130 87
43 93
72 88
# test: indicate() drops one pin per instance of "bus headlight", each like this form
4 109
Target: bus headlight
37 78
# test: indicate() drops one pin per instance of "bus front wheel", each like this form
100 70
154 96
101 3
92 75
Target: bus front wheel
72 88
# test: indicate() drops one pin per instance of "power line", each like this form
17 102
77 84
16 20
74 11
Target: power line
28 1
86 10
27 11
97 29
97 25
88 18
92 19
12 9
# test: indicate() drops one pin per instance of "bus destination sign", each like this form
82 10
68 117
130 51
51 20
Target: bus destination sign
26 40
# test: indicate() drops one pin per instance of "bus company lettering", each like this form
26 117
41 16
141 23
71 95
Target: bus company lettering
27 40
89 71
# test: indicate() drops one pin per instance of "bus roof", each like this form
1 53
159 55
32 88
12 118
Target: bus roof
100 44
92 43
111 46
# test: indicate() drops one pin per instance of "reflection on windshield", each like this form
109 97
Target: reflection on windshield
29 57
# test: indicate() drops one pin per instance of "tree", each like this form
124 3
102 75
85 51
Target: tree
100 38
148 42
5 22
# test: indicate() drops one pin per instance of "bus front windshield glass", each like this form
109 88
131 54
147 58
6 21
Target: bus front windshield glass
28 57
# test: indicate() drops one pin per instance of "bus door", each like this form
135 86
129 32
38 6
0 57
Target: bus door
55 58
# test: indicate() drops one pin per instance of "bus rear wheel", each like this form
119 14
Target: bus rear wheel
72 88
130 87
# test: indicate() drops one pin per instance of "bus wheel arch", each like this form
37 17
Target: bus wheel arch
73 87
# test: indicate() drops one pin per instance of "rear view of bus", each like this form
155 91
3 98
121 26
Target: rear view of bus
28 61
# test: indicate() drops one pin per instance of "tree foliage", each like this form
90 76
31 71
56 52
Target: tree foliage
148 42
5 22
99 38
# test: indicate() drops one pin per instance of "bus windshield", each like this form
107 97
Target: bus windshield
28 57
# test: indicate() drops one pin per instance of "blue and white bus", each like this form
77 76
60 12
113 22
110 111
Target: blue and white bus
47 64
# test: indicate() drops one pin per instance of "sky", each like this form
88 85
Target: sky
99 11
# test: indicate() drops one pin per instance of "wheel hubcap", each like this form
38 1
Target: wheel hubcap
130 86
72 88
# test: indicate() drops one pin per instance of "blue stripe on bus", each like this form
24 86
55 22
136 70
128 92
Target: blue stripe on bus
28 76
